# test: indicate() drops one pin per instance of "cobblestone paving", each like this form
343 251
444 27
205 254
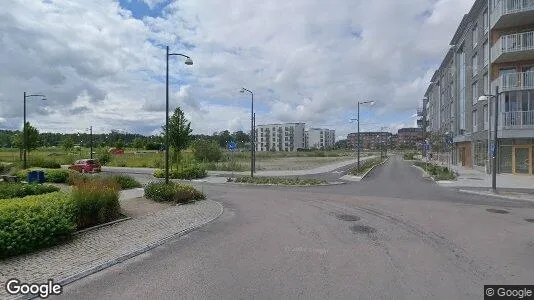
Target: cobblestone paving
94 248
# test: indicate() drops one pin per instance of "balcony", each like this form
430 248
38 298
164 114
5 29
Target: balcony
517 120
516 81
511 13
513 47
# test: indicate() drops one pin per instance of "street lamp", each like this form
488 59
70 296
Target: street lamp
358 120
494 148
24 130
252 149
90 140
188 61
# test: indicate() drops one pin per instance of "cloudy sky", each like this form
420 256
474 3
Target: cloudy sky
102 62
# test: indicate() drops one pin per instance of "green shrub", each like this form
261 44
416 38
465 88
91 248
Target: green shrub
125 181
159 191
19 190
206 150
365 166
34 222
4 168
51 175
279 180
438 172
42 163
96 201
103 157
188 172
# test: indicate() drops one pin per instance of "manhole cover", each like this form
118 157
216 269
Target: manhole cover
496 211
350 218
362 229
530 220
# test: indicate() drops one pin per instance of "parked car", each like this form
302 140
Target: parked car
86 166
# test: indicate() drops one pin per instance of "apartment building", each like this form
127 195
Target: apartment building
320 138
491 51
409 138
370 140
280 137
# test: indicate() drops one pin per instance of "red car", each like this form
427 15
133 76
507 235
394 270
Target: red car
86 166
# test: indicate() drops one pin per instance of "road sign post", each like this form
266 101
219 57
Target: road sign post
232 147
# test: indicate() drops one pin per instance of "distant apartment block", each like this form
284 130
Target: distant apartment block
409 138
280 137
320 138
493 47
370 140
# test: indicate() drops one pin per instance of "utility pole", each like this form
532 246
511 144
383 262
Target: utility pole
494 154
91 140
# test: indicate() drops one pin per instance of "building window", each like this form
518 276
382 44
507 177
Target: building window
485 82
486 21
486 117
475 120
474 87
486 54
475 36
475 64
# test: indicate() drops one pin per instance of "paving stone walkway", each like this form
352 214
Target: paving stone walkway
103 247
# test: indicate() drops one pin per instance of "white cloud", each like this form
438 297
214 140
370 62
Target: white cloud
304 60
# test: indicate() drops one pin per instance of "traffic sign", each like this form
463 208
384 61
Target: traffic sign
427 147
492 150
232 146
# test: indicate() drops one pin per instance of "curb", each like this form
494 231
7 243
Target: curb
101 225
425 174
65 281
493 195
285 185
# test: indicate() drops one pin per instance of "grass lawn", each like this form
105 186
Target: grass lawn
240 161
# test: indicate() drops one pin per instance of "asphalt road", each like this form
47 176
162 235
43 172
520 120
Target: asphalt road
392 236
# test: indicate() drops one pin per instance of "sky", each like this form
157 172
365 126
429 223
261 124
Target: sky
102 63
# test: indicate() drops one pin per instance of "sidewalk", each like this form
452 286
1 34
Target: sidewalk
94 250
509 186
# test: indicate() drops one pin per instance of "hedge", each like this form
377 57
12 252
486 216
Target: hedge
159 191
188 172
17 190
51 175
35 222
438 172
279 180
124 181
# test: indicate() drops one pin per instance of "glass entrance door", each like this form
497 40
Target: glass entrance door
521 160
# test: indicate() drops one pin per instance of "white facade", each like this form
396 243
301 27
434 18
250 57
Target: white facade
280 137
320 138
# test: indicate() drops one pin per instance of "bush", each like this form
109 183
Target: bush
34 222
124 181
280 180
103 157
438 172
51 175
159 191
206 150
19 190
409 155
96 201
42 163
188 172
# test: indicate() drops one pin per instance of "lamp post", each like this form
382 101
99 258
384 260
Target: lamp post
252 136
24 129
358 120
494 149
188 61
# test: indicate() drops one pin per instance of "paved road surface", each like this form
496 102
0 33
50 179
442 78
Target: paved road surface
392 236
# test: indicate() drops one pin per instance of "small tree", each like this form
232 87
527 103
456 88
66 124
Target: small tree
138 143
179 133
205 150
67 144
32 138
119 144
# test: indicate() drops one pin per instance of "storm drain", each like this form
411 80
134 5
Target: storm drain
362 229
496 211
530 220
350 218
